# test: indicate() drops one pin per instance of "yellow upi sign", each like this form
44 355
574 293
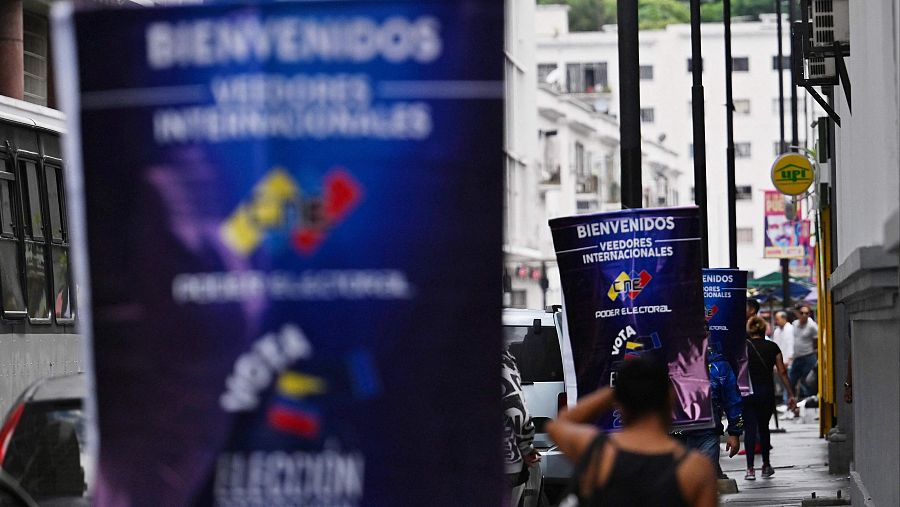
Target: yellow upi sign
792 173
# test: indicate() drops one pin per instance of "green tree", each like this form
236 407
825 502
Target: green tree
590 15
659 13
587 15
711 11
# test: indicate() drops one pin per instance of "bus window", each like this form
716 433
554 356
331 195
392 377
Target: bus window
62 297
63 307
10 282
54 203
36 281
34 221
35 249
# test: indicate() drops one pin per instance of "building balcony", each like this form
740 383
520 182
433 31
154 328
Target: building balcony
587 184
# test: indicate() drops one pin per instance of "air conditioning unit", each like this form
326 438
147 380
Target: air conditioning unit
820 68
830 22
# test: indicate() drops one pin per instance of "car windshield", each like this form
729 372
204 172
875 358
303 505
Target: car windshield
536 349
47 453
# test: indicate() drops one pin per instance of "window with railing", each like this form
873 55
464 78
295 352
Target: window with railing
543 72
586 77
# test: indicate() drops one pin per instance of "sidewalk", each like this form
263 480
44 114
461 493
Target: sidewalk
800 459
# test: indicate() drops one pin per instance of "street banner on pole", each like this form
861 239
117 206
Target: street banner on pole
725 296
631 286
294 236
804 267
783 235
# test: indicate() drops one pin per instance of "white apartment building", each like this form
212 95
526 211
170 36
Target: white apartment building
584 64
562 158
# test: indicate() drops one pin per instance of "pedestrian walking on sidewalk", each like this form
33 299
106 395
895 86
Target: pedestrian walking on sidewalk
762 357
806 342
642 464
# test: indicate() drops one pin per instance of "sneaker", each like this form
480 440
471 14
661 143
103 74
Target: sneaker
751 475
767 471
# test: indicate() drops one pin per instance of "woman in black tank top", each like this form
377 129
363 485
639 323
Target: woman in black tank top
640 465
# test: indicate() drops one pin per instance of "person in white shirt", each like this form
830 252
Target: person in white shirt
806 343
783 336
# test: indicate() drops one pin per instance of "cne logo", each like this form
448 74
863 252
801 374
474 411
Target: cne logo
628 286
711 312
278 205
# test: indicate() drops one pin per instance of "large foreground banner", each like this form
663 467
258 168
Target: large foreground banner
294 226
725 296
631 286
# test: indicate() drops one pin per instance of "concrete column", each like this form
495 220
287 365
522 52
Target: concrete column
12 51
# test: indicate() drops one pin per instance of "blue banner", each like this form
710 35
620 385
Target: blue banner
294 218
725 297
631 286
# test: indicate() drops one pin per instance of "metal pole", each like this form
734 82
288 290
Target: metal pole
780 79
785 284
795 53
729 150
629 103
699 120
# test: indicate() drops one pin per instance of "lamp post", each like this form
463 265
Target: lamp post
699 124
629 103
729 150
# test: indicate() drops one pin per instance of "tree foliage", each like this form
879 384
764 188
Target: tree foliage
590 15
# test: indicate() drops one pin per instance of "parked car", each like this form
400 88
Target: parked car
42 442
533 337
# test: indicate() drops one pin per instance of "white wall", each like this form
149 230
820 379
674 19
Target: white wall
867 148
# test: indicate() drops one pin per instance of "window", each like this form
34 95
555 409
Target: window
12 293
690 65
744 234
579 158
646 72
785 62
59 247
37 301
536 350
34 38
544 70
740 64
586 206
647 115
743 192
586 77
35 278
742 150
742 106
